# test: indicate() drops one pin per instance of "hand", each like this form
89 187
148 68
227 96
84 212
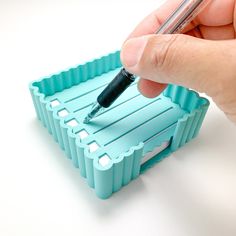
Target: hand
203 58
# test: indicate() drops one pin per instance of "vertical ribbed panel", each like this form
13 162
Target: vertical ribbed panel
72 147
81 160
196 118
137 161
188 127
89 170
177 135
51 121
45 113
65 139
59 83
58 132
103 181
37 99
127 172
36 105
118 174
199 123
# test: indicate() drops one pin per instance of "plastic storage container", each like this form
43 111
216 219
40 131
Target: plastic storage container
125 139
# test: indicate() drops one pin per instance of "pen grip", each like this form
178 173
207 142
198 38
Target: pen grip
115 88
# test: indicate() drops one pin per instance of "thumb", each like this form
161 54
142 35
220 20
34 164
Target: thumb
178 59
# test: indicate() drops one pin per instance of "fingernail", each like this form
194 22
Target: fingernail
132 51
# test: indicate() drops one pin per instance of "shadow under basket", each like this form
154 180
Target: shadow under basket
124 140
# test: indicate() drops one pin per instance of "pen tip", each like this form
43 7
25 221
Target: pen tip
96 108
86 120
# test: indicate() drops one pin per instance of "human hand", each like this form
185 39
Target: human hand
203 58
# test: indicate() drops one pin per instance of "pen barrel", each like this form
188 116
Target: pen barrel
182 16
115 88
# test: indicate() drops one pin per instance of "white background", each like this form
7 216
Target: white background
193 192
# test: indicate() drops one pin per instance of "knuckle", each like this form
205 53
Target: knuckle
164 55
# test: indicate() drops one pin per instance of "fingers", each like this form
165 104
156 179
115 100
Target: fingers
177 59
218 32
150 89
217 13
214 32
203 65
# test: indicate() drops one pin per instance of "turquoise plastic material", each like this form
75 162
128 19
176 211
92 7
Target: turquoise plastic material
124 133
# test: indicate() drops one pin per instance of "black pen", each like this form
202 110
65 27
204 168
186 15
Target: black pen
183 15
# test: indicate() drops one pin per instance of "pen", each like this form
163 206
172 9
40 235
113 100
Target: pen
184 14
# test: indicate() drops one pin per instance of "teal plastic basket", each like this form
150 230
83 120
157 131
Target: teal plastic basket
125 139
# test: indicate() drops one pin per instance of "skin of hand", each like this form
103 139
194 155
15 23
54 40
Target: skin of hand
202 58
